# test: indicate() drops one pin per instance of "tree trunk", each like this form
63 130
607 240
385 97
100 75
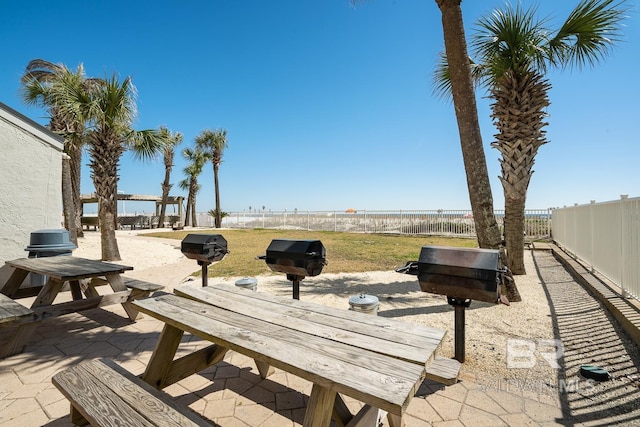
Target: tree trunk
75 153
218 218
194 215
67 200
464 101
187 213
468 126
166 185
104 164
514 235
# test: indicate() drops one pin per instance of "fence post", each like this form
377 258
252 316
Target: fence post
623 233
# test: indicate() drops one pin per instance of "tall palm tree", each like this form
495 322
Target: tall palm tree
215 142
172 140
197 159
50 86
112 110
464 101
513 52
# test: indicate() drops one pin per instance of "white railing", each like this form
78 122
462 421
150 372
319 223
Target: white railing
439 222
605 236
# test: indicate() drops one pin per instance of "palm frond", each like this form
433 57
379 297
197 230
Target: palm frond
510 39
589 33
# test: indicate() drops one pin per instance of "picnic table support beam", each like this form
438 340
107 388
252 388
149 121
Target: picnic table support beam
319 407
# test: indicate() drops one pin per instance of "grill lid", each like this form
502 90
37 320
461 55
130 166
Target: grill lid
472 263
297 257
205 248
461 273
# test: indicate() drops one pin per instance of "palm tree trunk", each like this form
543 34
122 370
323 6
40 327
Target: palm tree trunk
464 101
187 213
513 232
218 218
468 126
75 154
194 215
104 164
166 187
67 200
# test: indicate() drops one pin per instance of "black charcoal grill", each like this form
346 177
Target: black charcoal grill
297 258
206 249
462 274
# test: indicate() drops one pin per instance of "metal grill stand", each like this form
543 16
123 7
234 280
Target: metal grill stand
295 279
459 305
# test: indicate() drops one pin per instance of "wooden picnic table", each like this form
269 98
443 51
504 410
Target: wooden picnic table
378 361
60 270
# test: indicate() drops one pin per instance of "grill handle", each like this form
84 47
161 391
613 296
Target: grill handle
411 267
261 257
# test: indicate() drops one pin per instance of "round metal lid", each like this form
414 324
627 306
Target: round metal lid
246 281
363 299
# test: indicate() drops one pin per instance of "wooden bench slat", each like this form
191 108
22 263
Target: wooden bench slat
11 310
413 339
444 370
141 284
105 394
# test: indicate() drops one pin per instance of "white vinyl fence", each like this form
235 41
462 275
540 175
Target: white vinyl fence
605 236
458 223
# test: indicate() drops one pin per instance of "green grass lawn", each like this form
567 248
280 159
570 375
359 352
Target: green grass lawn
346 252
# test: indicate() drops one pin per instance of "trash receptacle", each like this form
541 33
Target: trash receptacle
48 243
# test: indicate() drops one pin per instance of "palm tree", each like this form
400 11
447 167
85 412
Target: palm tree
197 159
53 86
462 91
215 142
112 110
478 184
173 140
513 52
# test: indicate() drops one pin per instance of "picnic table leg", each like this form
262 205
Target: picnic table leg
320 407
341 413
264 368
117 284
162 358
395 420
14 282
76 292
48 293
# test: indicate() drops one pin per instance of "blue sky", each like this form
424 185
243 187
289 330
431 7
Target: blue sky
327 106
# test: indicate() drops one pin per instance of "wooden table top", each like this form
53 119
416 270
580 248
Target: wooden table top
67 267
376 360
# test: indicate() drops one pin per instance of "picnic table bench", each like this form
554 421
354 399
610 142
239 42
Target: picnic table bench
80 274
378 361
103 393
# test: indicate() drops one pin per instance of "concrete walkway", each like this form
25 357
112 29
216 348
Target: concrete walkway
233 394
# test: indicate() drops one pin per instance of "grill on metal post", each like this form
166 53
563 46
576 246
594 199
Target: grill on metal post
206 249
462 274
296 258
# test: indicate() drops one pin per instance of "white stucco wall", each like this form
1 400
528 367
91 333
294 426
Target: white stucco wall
30 183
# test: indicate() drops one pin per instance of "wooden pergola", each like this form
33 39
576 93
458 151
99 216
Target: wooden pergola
172 200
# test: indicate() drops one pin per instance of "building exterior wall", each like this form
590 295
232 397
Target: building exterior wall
30 183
